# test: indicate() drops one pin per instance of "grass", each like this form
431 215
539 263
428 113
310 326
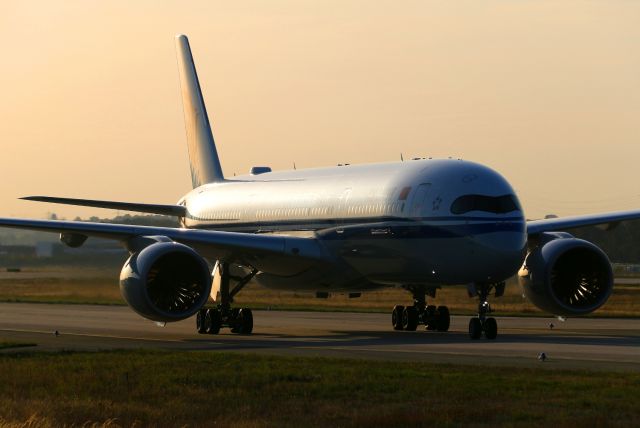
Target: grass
97 290
105 291
155 388
625 301
7 344
77 286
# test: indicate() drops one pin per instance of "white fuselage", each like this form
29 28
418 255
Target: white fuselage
386 224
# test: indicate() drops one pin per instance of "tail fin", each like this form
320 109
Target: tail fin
203 157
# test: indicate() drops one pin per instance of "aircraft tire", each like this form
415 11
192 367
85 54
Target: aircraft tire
200 327
396 317
244 321
444 319
212 321
234 320
490 328
410 318
430 317
475 328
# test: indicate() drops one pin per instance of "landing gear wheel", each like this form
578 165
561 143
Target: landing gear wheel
396 317
475 328
430 317
490 328
487 325
233 320
410 318
200 321
444 319
212 321
244 321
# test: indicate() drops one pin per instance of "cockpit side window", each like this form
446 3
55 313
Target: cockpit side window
492 204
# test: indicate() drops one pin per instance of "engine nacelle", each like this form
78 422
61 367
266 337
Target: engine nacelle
567 276
165 281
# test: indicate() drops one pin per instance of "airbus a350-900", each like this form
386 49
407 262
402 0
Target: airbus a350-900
420 225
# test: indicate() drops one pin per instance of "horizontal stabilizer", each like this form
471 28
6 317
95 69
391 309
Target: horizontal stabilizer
170 210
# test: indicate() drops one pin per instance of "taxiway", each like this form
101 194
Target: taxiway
596 343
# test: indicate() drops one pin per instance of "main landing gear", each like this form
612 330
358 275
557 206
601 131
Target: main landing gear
239 320
481 324
409 317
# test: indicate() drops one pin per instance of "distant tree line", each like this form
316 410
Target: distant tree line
622 243
139 220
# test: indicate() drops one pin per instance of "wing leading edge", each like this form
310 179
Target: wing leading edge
252 249
564 223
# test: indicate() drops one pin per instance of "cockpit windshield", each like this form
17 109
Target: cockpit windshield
492 204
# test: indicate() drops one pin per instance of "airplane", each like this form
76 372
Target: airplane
419 225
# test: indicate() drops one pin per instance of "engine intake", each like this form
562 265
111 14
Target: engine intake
564 275
166 281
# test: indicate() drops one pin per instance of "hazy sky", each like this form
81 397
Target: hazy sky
545 92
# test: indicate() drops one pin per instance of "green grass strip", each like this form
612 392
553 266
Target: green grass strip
156 388
6 345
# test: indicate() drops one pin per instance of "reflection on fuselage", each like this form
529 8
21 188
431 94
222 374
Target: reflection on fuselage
427 221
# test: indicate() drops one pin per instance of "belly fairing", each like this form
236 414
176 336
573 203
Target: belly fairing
418 253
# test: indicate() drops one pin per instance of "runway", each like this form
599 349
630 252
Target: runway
606 344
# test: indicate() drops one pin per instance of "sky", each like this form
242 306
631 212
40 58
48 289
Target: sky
545 92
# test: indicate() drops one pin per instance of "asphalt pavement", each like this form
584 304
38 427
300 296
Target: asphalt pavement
594 343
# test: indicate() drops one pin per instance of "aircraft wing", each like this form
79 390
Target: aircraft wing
232 246
170 210
609 220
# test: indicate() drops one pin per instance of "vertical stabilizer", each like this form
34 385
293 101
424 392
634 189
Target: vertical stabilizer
203 157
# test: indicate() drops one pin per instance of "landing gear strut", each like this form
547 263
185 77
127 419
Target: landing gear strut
239 320
482 324
409 317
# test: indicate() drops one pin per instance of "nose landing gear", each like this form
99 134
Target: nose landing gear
482 323
409 317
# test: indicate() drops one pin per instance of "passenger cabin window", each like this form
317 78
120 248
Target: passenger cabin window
492 204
